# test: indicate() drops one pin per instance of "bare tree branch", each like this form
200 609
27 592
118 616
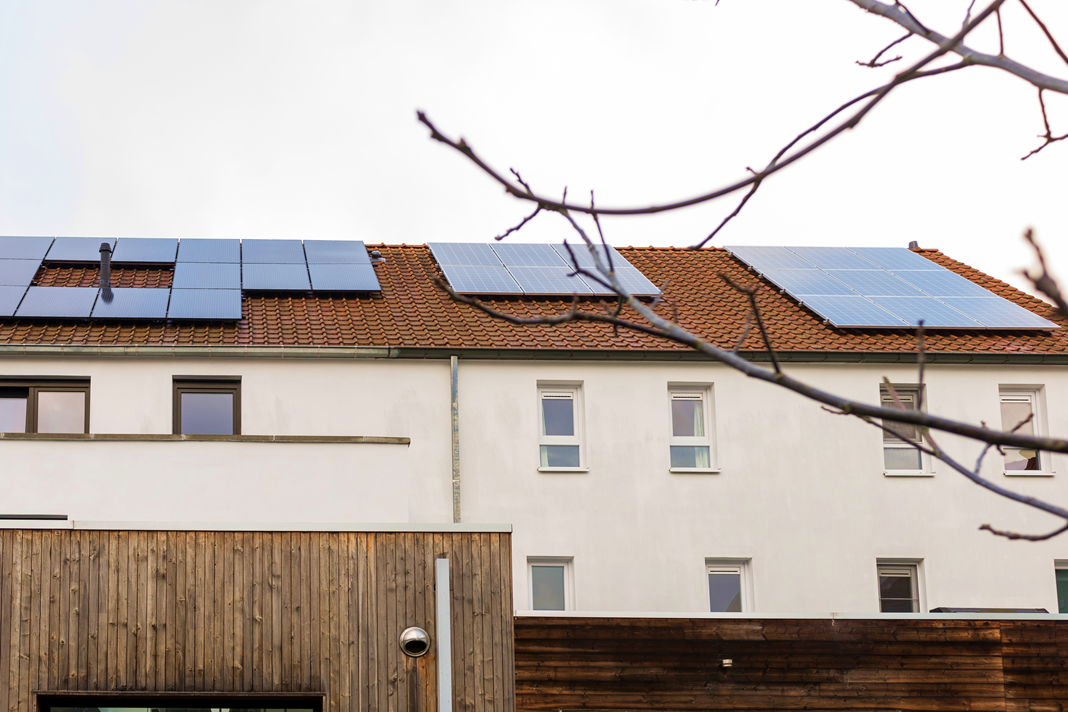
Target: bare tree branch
874 63
1049 137
1024 537
1049 35
1044 281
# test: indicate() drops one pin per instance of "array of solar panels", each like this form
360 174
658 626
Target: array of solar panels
887 287
514 268
209 275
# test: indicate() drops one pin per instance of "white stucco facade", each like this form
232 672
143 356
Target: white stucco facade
799 494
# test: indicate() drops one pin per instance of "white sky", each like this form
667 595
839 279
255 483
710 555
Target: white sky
250 118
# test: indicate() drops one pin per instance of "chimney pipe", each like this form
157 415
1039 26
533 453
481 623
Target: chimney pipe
914 245
105 272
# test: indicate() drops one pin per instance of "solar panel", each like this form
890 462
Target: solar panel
582 256
802 282
763 258
24 248
336 252
464 253
943 283
629 276
206 275
548 280
9 299
874 283
132 303
18 273
344 278
145 250
272 252
933 312
480 279
205 304
895 258
997 313
57 302
832 257
77 249
203 249
851 311
522 255
276 277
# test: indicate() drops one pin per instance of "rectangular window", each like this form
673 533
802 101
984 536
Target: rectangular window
1062 587
898 454
550 584
691 428
560 441
207 407
1019 412
899 588
727 585
44 406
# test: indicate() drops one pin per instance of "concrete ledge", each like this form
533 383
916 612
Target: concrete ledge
258 526
160 437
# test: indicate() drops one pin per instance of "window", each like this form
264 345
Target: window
899 588
898 455
728 585
560 410
691 429
207 407
1021 406
550 584
1062 586
44 406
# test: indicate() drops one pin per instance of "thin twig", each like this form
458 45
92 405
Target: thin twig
1001 35
1023 537
1049 35
750 293
1049 137
527 219
968 14
921 360
1044 282
875 63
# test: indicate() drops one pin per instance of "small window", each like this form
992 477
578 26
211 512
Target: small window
550 584
727 585
560 440
1020 406
899 588
898 454
44 406
1062 586
207 407
691 429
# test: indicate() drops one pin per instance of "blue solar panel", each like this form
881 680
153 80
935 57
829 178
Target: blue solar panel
18 273
204 249
943 283
24 248
344 278
132 303
933 312
874 282
802 282
832 257
77 249
145 250
851 311
522 255
57 302
336 252
997 313
629 278
9 299
480 279
582 256
206 275
205 304
548 280
464 253
762 258
895 258
275 277
272 252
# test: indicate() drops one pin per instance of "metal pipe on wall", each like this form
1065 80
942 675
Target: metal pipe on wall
454 363
443 633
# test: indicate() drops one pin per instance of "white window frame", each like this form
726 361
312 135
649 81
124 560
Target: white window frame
572 392
704 394
568 562
1034 395
914 567
731 566
903 391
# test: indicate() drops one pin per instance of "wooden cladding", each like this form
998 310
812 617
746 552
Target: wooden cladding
874 664
240 612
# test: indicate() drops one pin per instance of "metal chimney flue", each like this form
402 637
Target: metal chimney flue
105 272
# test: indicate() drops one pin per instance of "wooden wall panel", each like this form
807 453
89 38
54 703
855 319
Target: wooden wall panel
230 612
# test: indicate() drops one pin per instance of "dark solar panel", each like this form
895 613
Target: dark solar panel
933 312
132 303
18 273
58 302
275 277
802 282
480 279
851 311
464 253
943 283
77 249
344 278
548 280
24 248
874 283
832 257
997 313
203 249
762 258
9 299
521 255
895 258
145 250
205 304
272 252
336 252
206 275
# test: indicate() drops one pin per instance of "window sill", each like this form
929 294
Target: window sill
563 469
694 470
907 473
1029 473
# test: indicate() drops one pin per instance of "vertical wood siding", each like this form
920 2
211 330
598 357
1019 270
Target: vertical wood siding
224 612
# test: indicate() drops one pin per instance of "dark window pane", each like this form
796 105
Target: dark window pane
895 587
559 455
60 412
1062 591
13 410
725 593
207 414
895 606
547 583
559 416
683 456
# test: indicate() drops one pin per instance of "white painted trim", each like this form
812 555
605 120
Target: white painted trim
255 526
798 616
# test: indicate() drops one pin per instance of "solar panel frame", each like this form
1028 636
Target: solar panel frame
206 275
9 300
272 252
528 255
874 283
24 248
481 279
763 258
467 254
18 273
205 305
852 312
804 282
57 302
208 249
77 249
893 259
344 278
336 252
145 250
998 313
827 258
935 313
944 283
275 277
133 303
548 280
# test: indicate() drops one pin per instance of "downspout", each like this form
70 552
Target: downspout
454 363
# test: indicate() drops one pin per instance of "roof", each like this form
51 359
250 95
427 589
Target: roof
413 312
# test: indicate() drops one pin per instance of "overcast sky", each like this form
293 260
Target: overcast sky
250 118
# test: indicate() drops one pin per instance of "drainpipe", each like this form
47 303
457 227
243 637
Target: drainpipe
454 362
442 596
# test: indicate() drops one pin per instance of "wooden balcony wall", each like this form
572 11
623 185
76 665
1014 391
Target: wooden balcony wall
874 664
229 612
